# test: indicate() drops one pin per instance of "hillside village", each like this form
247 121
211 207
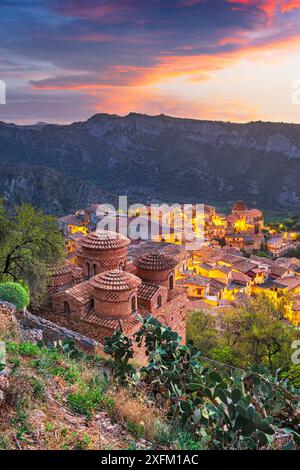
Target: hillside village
239 256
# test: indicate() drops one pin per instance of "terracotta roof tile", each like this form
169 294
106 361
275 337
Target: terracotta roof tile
289 282
82 292
147 291
115 280
104 240
239 277
155 261
61 270
127 325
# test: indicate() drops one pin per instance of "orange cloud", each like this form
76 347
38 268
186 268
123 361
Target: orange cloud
269 7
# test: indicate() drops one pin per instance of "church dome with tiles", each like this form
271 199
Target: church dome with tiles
156 268
115 294
102 251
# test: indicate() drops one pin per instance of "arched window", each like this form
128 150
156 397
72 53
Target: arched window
159 301
66 309
133 304
171 282
94 269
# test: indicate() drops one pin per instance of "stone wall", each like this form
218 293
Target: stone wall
53 332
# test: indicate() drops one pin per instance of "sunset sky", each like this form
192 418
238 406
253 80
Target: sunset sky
65 60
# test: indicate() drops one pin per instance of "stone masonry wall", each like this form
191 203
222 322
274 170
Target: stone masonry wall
53 332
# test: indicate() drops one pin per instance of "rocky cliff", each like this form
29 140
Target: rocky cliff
149 157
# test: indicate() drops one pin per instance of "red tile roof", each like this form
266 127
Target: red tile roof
155 261
115 280
239 277
82 292
128 324
147 291
104 240
289 282
61 270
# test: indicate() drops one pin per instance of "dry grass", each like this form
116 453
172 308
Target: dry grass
136 412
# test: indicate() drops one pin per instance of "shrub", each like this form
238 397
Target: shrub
15 294
85 402
293 375
29 349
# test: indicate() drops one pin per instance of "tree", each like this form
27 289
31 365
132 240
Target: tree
30 243
253 332
256 333
14 293
201 329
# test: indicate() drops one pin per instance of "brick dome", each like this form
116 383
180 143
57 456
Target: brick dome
103 251
156 268
155 261
116 281
61 277
104 240
115 294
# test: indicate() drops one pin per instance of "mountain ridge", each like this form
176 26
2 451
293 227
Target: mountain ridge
166 158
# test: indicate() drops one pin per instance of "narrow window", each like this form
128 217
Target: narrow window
66 309
159 301
171 282
133 304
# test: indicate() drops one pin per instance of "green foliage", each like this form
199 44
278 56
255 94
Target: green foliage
38 388
201 330
29 349
223 354
14 293
215 410
86 401
21 419
252 333
120 348
30 242
293 375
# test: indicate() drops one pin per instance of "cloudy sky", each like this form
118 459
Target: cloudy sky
65 60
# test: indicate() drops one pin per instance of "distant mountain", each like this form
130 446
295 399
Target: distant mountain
153 157
49 189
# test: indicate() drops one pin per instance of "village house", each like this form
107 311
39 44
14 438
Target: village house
215 272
